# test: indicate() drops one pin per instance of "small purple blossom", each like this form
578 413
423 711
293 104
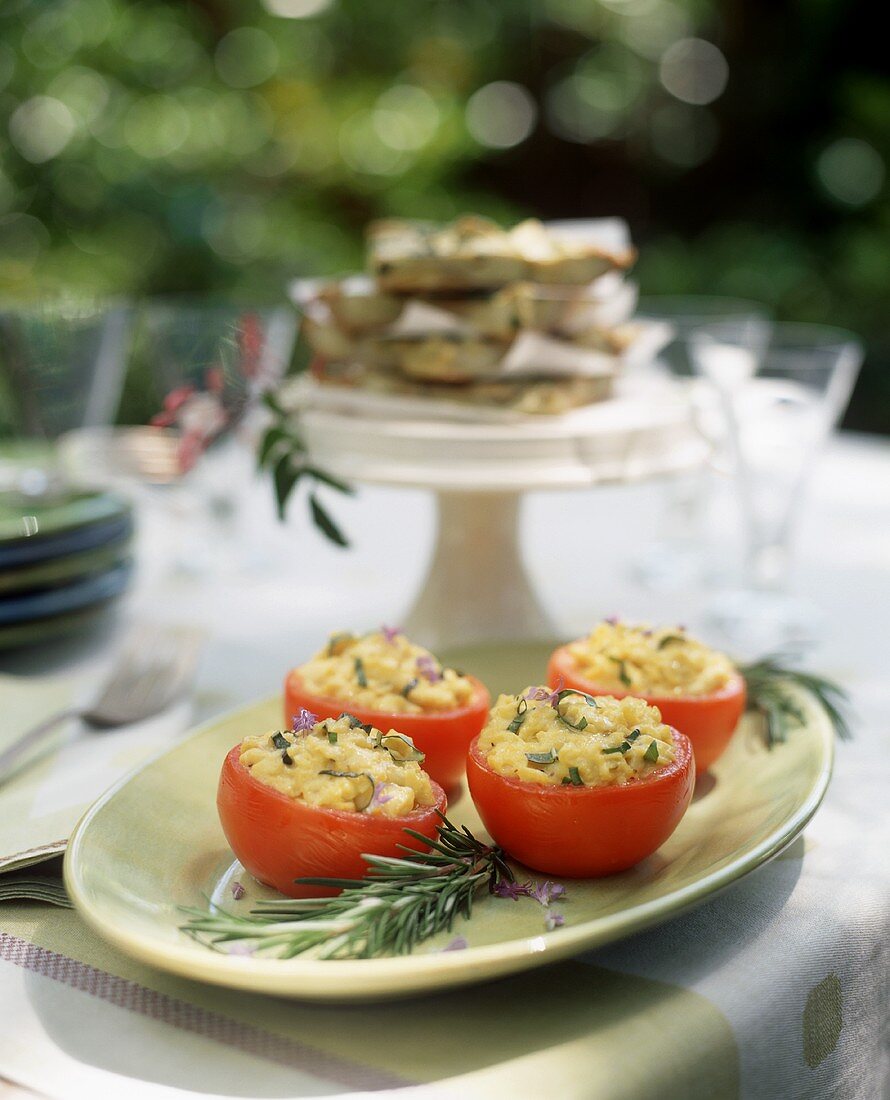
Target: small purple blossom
612 620
512 890
553 920
240 949
428 668
548 891
237 891
379 797
542 695
304 720
459 943
390 633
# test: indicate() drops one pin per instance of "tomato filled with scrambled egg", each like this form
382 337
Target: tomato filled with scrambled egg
698 690
388 682
310 801
577 785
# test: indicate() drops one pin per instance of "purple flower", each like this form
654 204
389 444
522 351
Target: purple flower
428 668
379 797
553 920
390 633
612 620
457 944
545 892
240 949
542 695
512 890
304 720
237 891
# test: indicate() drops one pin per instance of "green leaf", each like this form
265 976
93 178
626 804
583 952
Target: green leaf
574 777
514 725
359 666
548 757
329 479
651 754
325 523
669 638
622 671
285 477
271 402
279 741
269 443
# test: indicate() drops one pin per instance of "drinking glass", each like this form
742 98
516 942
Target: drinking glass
779 403
678 559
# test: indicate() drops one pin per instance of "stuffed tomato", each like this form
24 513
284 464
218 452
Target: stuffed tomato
579 786
390 683
696 689
309 802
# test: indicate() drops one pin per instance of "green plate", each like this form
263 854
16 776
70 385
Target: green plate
153 844
55 515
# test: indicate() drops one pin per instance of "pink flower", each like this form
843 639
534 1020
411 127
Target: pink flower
512 890
612 620
176 398
542 695
428 668
303 720
545 892
237 891
390 633
240 949
553 920
457 944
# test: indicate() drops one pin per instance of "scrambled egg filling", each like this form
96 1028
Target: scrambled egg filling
342 765
573 739
665 661
385 672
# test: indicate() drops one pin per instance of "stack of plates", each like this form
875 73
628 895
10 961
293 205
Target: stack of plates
62 560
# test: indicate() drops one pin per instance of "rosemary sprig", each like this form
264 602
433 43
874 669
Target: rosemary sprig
767 681
400 902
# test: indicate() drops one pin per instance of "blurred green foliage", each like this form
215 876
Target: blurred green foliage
220 146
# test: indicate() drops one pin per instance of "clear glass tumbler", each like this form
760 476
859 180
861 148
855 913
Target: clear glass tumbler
779 403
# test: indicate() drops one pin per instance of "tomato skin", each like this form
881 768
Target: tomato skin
582 832
709 721
443 736
279 839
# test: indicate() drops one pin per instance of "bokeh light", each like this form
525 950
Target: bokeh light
296 9
246 57
41 127
693 70
501 114
851 171
405 116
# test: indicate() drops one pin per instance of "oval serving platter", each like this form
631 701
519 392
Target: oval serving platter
152 845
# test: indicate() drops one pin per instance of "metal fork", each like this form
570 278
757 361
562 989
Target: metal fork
156 667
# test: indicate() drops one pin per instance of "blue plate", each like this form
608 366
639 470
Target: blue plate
69 597
89 537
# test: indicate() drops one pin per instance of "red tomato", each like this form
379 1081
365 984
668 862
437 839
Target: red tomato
279 839
443 735
707 720
582 832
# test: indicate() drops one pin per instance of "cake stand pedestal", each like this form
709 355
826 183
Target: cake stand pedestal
477 588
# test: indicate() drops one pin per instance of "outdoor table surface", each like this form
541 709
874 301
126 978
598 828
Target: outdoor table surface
776 987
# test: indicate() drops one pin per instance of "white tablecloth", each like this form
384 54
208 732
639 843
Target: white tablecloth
791 962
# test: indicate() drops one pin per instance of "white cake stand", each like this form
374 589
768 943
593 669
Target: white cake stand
476 588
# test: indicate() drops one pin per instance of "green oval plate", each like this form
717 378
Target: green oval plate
153 844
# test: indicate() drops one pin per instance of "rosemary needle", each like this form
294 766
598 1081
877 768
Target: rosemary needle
767 682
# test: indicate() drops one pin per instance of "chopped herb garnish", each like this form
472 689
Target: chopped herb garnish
286 758
335 643
522 706
633 736
651 754
668 639
573 691
549 757
582 722
768 681
623 747
514 725
409 687
279 741
361 802
574 777
622 671
332 735
360 672
400 747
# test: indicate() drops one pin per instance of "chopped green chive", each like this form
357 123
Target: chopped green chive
279 741
668 639
582 722
514 725
574 777
332 735
573 691
286 758
622 671
335 642
651 754
409 687
360 672
633 736
615 748
549 757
